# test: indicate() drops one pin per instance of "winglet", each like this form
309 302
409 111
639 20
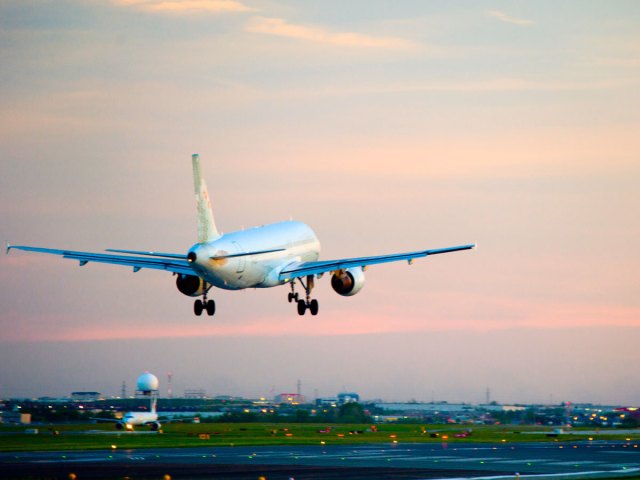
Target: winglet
8 248
207 230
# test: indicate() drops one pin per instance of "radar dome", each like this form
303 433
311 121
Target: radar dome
147 382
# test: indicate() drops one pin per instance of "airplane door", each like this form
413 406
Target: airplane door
241 260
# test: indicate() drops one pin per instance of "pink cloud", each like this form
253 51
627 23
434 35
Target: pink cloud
281 28
513 314
503 17
186 6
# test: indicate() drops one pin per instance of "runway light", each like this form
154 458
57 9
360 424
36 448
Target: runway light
113 447
72 476
166 477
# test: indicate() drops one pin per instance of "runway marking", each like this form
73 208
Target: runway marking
618 452
595 474
525 460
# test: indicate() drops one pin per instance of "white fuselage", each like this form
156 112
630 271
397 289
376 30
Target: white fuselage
134 419
293 242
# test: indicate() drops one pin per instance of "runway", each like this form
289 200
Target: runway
400 461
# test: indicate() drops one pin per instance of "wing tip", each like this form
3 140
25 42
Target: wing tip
8 248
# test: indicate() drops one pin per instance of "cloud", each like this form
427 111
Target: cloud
506 18
186 6
280 27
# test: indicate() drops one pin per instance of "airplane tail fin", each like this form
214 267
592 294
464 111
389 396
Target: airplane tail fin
207 230
154 402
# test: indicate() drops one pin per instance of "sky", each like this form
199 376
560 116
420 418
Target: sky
386 126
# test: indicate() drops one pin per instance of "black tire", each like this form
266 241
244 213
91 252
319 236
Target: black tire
302 307
313 307
290 297
198 307
295 297
211 308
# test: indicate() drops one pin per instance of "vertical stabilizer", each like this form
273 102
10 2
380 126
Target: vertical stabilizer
207 230
154 403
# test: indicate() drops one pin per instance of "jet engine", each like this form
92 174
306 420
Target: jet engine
155 426
191 285
119 426
348 282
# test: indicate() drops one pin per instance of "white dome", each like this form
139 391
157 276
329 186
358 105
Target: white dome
147 382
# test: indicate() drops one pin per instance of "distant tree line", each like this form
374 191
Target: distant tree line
347 413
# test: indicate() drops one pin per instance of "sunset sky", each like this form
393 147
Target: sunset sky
387 126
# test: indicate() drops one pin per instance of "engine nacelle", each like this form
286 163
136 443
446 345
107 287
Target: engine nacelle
348 282
120 426
191 285
155 426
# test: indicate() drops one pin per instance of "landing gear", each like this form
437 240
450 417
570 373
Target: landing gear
292 295
313 307
302 307
210 307
200 305
308 303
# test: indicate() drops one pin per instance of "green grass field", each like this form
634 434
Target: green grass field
72 437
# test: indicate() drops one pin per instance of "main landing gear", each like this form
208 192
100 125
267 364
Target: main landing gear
308 303
200 305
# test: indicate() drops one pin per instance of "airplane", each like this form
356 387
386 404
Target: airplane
260 257
137 419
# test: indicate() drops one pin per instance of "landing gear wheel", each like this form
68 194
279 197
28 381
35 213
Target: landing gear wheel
291 296
211 307
198 307
313 307
302 307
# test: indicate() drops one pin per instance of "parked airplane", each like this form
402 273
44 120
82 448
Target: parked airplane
259 257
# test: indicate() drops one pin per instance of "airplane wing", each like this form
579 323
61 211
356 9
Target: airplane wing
170 262
302 269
